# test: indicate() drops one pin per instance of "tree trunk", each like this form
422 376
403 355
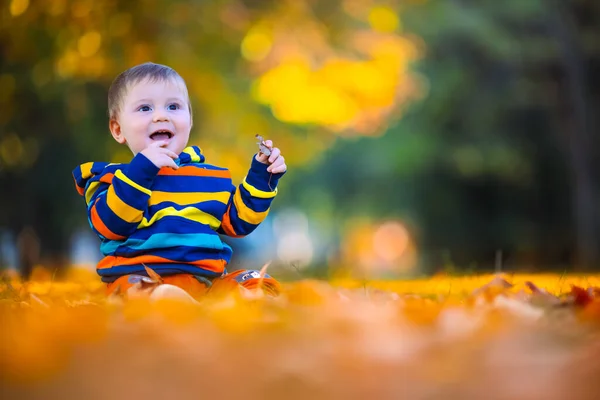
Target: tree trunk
577 125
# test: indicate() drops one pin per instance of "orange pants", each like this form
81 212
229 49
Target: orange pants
200 286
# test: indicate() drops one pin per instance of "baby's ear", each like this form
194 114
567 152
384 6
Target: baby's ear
115 130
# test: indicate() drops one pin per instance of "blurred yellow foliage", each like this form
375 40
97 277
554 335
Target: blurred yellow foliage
18 7
256 44
383 19
308 81
89 43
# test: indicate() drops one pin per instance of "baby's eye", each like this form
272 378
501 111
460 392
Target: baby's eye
174 106
144 108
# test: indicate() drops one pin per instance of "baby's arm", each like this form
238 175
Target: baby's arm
116 203
250 202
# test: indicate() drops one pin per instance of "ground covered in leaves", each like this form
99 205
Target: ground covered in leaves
492 337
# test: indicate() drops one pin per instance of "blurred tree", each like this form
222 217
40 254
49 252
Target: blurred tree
500 154
482 164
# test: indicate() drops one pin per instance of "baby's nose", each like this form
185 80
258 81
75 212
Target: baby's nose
160 115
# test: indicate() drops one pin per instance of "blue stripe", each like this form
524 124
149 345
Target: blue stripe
241 227
101 168
182 184
129 194
173 224
207 166
255 203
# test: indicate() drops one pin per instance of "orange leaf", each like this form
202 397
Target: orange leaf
493 288
153 275
540 296
581 297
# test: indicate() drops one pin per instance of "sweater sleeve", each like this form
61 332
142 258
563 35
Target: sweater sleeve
250 202
116 202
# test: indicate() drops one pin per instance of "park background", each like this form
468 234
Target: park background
420 136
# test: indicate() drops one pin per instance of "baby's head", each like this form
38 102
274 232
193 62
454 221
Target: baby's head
147 103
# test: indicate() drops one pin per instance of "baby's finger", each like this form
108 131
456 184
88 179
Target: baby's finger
171 164
263 158
170 153
277 163
160 143
274 154
269 143
279 169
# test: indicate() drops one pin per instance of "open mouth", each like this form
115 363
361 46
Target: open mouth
161 134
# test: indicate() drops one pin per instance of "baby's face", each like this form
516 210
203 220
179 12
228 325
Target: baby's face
154 111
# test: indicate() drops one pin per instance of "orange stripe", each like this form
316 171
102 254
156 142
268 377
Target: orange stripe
111 261
100 227
195 171
226 224
107 178
80 190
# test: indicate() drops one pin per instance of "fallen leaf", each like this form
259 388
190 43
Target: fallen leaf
580 296
153 275
540 297
490 290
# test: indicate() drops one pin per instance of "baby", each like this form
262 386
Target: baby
166 208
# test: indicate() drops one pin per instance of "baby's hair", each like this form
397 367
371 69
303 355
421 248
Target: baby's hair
150 71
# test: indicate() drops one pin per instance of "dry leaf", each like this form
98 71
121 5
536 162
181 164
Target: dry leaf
262 146
580 296
493 288
541 297
263 272
153 275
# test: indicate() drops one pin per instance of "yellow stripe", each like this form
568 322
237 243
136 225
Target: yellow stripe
247 214
128 181
122 209
192 153
185 199
191 213
86 170
91 190
258 193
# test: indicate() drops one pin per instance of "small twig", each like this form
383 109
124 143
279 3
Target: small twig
38 300
263 272
498 261
296 266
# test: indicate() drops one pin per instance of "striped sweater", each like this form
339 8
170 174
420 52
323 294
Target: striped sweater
170 220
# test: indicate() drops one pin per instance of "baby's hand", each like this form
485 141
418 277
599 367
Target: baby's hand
160 156
275 159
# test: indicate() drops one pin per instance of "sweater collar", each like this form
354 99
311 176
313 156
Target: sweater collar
191 154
